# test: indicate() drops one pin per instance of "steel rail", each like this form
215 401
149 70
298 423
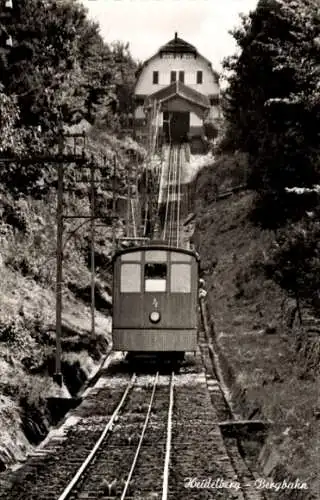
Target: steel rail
94 450
168 443
125 489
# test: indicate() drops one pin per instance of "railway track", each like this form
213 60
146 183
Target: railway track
140 436
114 462
143 436
172 197
122 454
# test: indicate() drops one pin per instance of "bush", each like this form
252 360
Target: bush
10 330
226 172
294 262
249 280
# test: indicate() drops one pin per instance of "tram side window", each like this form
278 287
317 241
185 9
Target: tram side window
155 277
130 281
180 278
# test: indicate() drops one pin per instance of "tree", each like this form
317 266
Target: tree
58 71
11 138
294 262
272 103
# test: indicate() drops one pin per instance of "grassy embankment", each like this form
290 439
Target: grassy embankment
253 322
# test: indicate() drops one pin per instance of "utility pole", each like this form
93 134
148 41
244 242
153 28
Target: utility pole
92 168
60 160
58 374
128 203
114 201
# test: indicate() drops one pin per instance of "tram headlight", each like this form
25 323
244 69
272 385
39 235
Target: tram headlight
154 317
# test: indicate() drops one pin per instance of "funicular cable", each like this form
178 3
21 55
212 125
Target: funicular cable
168 194
171 187
173 196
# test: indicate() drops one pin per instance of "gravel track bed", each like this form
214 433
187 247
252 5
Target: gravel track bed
198 449
107 473
53 465
148 475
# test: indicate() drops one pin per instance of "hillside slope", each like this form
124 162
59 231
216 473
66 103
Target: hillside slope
27 300
256 332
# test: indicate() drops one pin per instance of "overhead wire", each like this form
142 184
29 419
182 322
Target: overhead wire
168 194
179 197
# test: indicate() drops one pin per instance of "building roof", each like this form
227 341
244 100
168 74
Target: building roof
177 45
180 89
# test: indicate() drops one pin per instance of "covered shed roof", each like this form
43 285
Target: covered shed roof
180 89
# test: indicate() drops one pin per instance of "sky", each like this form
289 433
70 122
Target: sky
148 24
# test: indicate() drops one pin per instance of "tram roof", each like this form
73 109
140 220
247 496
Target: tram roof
156 246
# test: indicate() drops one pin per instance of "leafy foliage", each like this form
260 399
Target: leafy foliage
294 262
59 66
10 136
272 103
272 107
57 72
227 172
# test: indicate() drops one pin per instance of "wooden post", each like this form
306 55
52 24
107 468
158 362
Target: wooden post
92 220
128 204
58 374
114 200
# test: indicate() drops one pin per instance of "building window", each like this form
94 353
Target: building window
199 77
155 79
181 76
173 76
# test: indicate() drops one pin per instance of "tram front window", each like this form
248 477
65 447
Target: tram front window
155 276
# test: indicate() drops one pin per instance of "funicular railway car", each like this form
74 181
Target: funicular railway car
155 296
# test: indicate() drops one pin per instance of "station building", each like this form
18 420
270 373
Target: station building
184 88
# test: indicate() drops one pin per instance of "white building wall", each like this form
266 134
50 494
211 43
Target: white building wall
195 121
166 64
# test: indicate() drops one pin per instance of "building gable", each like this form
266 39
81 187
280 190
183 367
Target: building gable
183 59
